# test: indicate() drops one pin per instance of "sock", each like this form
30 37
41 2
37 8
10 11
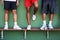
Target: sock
6 23
50 22
15 23
44 22
29 25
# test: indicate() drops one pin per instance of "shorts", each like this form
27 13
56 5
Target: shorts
9 5
29 3
48 6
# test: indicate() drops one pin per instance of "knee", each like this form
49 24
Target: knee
28 9
36 5
14 11
6 11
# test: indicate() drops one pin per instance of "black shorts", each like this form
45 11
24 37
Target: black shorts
9 5
48 6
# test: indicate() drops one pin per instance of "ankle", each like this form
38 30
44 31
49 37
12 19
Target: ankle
6 23
15 23
50 22
44 22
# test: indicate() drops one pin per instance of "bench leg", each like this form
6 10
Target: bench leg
2 34
47 34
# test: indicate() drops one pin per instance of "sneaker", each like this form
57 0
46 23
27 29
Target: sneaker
50 26
34 17
29 27
5 26
16 27
44 27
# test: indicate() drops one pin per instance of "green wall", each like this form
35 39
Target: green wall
31 35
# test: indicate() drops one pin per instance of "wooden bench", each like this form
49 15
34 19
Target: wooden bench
25 31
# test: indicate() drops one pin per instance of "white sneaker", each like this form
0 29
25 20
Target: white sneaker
5 26
16 27
34 17
44 27
29 27
50 26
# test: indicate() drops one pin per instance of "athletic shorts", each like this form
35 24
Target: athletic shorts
48 6
9 5
29 3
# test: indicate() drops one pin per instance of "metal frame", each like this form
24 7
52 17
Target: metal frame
25 32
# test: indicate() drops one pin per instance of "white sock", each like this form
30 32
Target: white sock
15 23
50 22
44 22
6 23
29 25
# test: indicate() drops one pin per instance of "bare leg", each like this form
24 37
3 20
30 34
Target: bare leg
28 18
28 15
35 10
44 27
35 7
6 19
6 15
15 15
50 22
44 16
51 16
15 20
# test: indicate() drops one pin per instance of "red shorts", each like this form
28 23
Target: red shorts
29 3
